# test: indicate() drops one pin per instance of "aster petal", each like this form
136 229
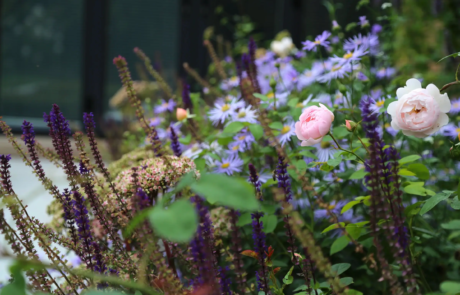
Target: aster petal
392 108
443 102
311 141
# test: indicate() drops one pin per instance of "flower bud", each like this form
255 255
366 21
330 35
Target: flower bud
350 125
272 83
181 114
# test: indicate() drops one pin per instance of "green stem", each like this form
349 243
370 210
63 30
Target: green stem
342 149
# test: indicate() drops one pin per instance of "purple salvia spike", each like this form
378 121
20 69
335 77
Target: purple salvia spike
175 145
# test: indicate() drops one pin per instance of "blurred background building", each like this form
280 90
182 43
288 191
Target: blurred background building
61 51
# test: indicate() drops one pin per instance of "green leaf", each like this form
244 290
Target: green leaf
340 268
307 154
288 278
457 54
244 219
301 165
234 127
234 192
358 174
388 101
453 224
18 285
339 244
409 159
293 102
455 204
326 168
256 130
346 281
261 96
405 172
276 125
348 206
269 222
334 162
340 132
413 209
350 27
332 226
420 170
450 287
354 230
186 140
353 292
94 292
200 164
177 223
415 190
434 200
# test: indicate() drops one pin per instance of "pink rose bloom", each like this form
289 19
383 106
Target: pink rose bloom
314 123
419 112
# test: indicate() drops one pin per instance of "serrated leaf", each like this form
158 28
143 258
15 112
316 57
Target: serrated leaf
409 159
434 200
358 174
340 268
339 244
256 130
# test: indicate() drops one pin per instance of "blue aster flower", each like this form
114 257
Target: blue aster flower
165 106
320 40
455 109
229 165
286 133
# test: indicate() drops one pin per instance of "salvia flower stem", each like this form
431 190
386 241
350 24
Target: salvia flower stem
215 59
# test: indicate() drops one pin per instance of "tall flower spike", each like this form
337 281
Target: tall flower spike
285 184
125 76
254 179
84 232
5 173
236 249
175 143
225 281
186 100
382 205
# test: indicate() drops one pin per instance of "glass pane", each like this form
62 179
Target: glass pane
41 42
151 25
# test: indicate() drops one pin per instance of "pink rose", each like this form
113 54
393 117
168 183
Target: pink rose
419 112
181 114
314 123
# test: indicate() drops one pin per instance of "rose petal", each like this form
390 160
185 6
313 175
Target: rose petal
443 120
433 90
443 102
395 125
411 85
298 131
311 141
392 108
411 133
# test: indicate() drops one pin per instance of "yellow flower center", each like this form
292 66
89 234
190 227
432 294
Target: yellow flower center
235 148
270 95
242 137
241 114
285 129
458 130
308 74
380 103
336 68
165 104
325 144
194 149
330 207
348 55
234 79
299 105
387 125
225 107
225 165
456 104
317 42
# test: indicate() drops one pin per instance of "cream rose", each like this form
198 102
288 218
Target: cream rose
419 112
283 47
